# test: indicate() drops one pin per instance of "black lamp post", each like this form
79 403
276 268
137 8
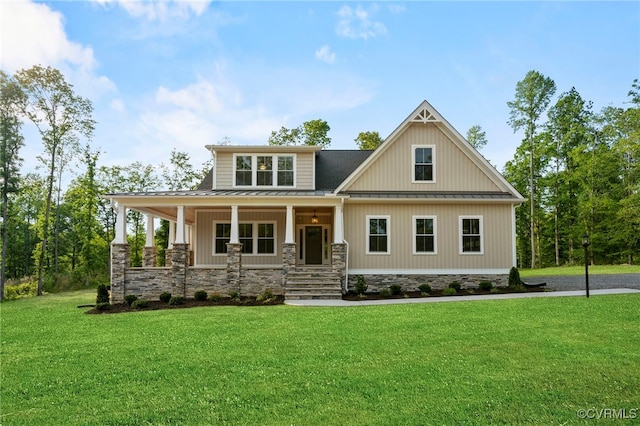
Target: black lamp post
585 244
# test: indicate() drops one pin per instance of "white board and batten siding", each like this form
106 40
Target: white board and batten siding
454 170
496 237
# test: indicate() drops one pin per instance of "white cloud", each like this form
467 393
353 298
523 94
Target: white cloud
358 23
34 34
161 10
325 54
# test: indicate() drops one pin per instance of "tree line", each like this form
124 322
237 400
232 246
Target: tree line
580 172
578 169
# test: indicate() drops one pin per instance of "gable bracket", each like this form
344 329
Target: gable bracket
425 116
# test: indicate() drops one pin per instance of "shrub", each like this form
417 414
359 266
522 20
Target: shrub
386 293
495 290
176 300
130 298
450 291
139 304
12 292
361 285
103 294
396 289
424 288
514 277
165 297
214 297
519 288
455 285
103 306
200 295
235 296
266 296
486 285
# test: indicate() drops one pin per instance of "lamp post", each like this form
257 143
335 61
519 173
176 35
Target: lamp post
585 244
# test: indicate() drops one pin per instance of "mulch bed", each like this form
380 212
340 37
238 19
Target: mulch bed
352 296
155 305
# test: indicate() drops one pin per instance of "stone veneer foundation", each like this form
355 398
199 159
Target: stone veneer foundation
179 279
408 282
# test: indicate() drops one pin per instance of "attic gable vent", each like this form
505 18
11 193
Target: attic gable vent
425 116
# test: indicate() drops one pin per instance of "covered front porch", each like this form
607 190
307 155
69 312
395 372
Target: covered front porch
296 249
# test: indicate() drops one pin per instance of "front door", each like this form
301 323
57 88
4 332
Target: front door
313 245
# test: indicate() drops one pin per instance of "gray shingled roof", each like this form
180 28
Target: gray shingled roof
334 166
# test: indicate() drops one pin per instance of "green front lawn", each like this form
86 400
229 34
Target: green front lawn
579 270
525 361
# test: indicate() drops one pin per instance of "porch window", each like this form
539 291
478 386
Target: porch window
424 231
244 173
222 237
245 235
256 238
378 235
266 239
471 235
423 163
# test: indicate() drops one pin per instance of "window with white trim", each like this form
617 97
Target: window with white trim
424 234
264 170
256 237
471 239
378 235
423 163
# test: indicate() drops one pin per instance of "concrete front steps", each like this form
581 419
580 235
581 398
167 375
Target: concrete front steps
313 282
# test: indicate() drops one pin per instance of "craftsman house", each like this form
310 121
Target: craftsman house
424 207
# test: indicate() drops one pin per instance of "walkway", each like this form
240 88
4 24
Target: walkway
597 292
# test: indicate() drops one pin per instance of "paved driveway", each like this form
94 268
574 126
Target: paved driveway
595 282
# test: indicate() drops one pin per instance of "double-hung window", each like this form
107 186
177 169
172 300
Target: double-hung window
471 235
244 170
424 235
264 170
423 163
378 235
256 237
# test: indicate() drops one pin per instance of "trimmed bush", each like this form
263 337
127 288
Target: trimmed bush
165 297
214 297
139 304
235 296
450 291
130 298
200 295
514 277
176 300
361 285
266 296
486 285
386 293
396 289
103 294
455 285
103 306
424 288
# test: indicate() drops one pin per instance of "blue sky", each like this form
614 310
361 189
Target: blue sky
178 74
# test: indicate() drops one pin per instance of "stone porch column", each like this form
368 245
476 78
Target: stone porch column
179 262
339 261
234 265
288 260
120 261
149 253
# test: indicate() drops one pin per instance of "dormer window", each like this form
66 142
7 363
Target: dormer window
423 163
259 170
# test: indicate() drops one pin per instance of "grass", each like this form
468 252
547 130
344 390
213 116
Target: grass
526 361
579 270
